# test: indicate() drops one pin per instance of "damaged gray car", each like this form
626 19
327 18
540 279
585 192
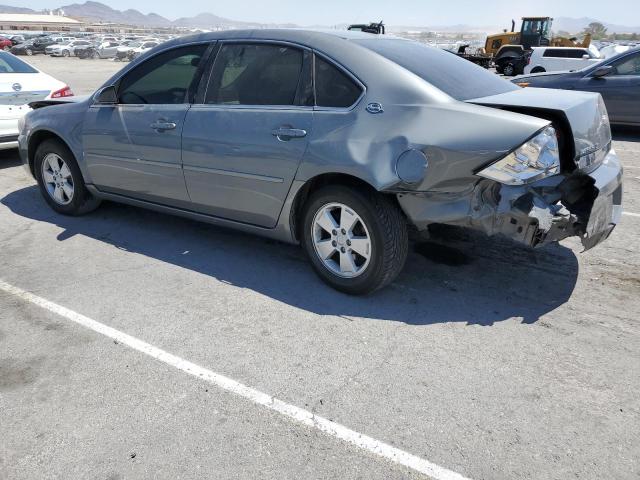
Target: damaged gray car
339 141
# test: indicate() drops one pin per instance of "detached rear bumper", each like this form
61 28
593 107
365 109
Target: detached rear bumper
588 205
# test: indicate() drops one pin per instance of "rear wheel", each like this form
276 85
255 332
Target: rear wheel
509 70
60 180
356 240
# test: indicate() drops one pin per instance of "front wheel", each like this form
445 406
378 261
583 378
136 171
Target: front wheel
60 180
538 70
356 240
29 52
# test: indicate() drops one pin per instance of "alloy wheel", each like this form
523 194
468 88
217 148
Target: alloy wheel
341 240
57 179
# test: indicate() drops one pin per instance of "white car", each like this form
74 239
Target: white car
66 49
557 59
20 84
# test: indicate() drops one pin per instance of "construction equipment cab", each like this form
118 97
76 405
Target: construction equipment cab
534 32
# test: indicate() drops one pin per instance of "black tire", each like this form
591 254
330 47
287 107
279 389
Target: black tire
538 70
29 52
509 70
387 228
82 201
65 53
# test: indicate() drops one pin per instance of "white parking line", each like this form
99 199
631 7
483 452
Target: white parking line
292 412
631 214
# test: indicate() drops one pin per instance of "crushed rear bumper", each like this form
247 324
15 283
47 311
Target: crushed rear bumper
587 205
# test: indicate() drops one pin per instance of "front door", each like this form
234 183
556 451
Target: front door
242 145
133 148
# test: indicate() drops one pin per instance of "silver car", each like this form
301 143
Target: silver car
338 141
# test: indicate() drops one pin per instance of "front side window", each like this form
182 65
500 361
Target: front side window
628 66
255 74
333 87
163 79
577 53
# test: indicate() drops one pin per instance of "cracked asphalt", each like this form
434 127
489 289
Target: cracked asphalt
485 358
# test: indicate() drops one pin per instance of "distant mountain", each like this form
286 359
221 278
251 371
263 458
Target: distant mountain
577 25
209 20
9 9
99 12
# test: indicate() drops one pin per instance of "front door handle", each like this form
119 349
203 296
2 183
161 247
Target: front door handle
162 125
285 134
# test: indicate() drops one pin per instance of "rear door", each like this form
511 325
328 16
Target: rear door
133 148
242 145
620 89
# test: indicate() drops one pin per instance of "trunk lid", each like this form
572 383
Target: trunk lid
584 111
21 89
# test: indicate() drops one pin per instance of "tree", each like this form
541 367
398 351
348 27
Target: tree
597 30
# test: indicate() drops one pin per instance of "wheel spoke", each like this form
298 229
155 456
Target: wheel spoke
347 219
47 177
53 163
68 190
64 171
347 265
327 222
325 249
361 246
58 195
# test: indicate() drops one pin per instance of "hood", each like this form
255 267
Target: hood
585 112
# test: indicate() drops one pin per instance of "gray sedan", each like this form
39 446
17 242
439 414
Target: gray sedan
338 141
617 79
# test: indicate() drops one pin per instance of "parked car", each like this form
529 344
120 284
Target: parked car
617 79
33 47
337 141
612 50
16 39
144 47
107 49
554 59
511 65
66 49
21 83
5 44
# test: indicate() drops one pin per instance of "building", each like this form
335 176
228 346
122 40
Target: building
39 23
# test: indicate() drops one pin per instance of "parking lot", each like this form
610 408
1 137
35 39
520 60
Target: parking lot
140 345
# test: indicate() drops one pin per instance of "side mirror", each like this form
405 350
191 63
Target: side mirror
602 71
586 57
107 96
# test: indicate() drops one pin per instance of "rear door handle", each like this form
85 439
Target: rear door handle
161 125
285 134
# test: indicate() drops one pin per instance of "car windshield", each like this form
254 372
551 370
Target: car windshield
11 64
455 76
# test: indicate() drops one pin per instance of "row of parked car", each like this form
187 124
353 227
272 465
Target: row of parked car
82 47
555 59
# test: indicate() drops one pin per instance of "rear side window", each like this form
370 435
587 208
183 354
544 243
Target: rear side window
555 53
163 79
457 77
255 74
333 87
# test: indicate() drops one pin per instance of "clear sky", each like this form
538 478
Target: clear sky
398 12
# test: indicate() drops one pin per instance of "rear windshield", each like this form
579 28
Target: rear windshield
11 64
455 76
